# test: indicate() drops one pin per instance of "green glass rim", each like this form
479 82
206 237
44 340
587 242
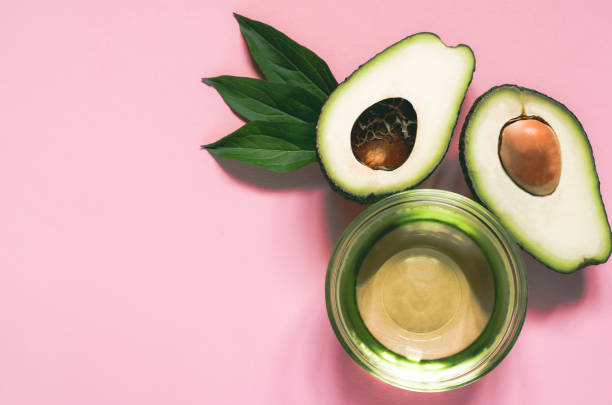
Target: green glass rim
513 311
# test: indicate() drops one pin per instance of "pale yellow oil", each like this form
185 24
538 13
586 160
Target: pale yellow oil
425 290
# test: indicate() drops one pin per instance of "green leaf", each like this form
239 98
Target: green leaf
283 60
273 102
279 146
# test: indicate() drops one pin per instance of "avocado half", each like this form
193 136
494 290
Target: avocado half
544 190
389 124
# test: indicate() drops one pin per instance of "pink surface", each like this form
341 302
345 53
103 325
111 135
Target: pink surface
137 269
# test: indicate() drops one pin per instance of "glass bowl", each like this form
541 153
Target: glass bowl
503 258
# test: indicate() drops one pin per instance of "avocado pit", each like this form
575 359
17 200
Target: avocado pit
530 154
383 135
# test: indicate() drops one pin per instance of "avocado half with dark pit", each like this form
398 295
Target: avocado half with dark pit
387 127
528 159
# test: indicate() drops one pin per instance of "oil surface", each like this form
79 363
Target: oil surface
425 290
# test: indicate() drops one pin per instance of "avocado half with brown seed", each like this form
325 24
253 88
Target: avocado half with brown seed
528 159
387 127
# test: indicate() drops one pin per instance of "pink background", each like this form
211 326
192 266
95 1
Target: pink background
137 269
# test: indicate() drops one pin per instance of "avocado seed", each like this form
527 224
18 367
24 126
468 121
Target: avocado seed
531 155
383 135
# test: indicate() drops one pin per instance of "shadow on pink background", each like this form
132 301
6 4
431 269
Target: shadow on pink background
137 269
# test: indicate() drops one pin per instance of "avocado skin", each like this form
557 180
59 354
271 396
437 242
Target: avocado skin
464 168
372 197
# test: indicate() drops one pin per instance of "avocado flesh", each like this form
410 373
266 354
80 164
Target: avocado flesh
567 229
421 69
